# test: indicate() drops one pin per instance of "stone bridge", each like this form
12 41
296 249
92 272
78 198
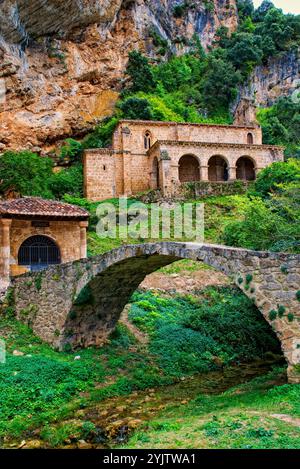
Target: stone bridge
79 303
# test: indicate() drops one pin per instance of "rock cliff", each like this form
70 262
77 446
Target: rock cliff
62 63
280 77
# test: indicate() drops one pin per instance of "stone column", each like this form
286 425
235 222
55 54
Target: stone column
5 225
203 173
165 173
231 173
83 243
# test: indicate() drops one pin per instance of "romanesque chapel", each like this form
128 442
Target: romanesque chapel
163 155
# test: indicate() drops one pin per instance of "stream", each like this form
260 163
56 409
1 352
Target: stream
116 418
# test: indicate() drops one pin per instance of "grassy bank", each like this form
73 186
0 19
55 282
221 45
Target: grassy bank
257 414
40 387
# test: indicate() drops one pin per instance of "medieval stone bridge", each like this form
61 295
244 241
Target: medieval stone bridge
79 303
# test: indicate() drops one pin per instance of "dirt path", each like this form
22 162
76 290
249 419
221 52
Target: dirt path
184 282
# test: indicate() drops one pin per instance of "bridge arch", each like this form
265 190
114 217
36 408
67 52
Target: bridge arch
80 303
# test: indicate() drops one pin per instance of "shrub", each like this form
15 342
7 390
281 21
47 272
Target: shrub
270 178
192 335
72 149
102 135
136 108
67 181
25 173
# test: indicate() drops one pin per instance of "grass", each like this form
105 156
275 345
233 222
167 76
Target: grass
219 212
243 417
44 387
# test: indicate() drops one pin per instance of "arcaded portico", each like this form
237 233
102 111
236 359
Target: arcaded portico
36 233
149 155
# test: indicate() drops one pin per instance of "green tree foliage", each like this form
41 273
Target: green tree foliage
245 8
136 108
26 173
67 181
140 73
72 150
245 51
102 135
219 85
31 175
281 125
271 178
272 224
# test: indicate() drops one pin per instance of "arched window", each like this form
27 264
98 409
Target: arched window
147 140
189 169
38 252
250 139
217 169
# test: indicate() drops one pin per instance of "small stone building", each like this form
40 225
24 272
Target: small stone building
36 233
150 155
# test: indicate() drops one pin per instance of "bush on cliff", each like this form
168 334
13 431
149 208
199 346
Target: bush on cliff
25 173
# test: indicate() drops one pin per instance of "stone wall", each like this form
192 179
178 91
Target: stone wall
127 168
78 304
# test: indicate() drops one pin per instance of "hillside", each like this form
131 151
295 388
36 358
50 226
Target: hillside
63 68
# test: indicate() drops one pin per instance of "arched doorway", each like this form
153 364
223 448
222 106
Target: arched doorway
217 169
155 174
189 169
245 169
38 252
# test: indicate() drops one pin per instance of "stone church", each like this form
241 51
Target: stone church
163 155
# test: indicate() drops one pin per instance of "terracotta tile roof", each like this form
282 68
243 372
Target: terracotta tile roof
36 206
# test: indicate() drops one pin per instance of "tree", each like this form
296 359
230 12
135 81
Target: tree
136 108
140 73
245 8
220 84
271 177
245 51
26 173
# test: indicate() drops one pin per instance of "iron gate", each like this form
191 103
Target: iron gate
37 252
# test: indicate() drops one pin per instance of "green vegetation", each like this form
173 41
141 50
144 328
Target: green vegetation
49 386
28 174
271 218
253 415
281 125
189 333
277 178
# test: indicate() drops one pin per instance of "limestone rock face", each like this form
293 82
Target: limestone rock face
280 77
62 63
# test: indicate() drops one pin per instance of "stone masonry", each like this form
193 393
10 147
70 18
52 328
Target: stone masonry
161 155
79 303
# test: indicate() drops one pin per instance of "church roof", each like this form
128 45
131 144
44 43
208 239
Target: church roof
38 207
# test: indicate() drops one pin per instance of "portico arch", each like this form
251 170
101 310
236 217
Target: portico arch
217 168
245 168
155 174
189 168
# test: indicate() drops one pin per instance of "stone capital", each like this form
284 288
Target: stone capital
6 222
83 224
